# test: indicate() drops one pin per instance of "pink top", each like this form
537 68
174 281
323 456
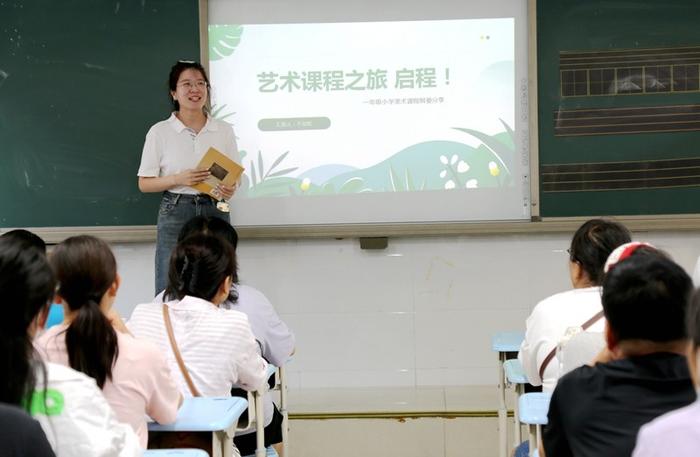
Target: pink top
141 383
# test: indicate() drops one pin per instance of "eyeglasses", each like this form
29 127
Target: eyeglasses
571 255
189 85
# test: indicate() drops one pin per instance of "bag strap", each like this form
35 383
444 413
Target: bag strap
553 352
176 351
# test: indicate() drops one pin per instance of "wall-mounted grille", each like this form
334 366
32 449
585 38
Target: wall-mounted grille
643 119
629 72
650 174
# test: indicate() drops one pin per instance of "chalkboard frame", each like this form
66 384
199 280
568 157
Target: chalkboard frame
614 147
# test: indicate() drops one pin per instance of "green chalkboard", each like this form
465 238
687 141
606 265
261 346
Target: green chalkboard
619 107
80 84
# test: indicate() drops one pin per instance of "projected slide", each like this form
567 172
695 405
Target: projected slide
364 108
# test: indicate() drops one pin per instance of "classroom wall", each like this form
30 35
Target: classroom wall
420 313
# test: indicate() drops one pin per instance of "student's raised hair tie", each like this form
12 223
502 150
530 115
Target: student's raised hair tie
622 252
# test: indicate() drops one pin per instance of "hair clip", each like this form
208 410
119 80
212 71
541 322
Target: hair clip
186 61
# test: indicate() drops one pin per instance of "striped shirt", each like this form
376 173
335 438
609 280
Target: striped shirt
216 344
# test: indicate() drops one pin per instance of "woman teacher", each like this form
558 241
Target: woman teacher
171 153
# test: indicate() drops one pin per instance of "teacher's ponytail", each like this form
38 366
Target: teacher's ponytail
85 269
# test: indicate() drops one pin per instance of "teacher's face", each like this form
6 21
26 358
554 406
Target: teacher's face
191 90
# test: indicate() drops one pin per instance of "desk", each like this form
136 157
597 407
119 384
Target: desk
507 345
202 414
175 453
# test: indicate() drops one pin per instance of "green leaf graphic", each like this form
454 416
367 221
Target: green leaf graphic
409 181
394 180
277 161
223 40
216 112
351 186
252 174
280 173
261 168
499 149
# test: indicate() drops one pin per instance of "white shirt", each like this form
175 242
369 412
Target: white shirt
77 420
276 340
171 147
141 381
216 344
675 434
547 325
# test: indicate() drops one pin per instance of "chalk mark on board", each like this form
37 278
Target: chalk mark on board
93 66
3 76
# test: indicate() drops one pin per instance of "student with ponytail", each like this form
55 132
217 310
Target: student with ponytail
133 375
275 339
216 345
67 404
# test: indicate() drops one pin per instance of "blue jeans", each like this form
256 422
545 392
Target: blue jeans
523 450
175 210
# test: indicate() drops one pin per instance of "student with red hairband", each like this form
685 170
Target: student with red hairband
598 410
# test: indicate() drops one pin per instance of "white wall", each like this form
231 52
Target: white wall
419 313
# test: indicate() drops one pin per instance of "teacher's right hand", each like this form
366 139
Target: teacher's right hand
191 177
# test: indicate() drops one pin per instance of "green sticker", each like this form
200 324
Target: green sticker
47 402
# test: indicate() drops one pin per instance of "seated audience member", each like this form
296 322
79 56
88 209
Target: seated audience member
75 417
598 410
20 435
275 339
25 236
677 433
132 374
216 345
590 247
56 310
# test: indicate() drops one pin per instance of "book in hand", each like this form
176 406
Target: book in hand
222 171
